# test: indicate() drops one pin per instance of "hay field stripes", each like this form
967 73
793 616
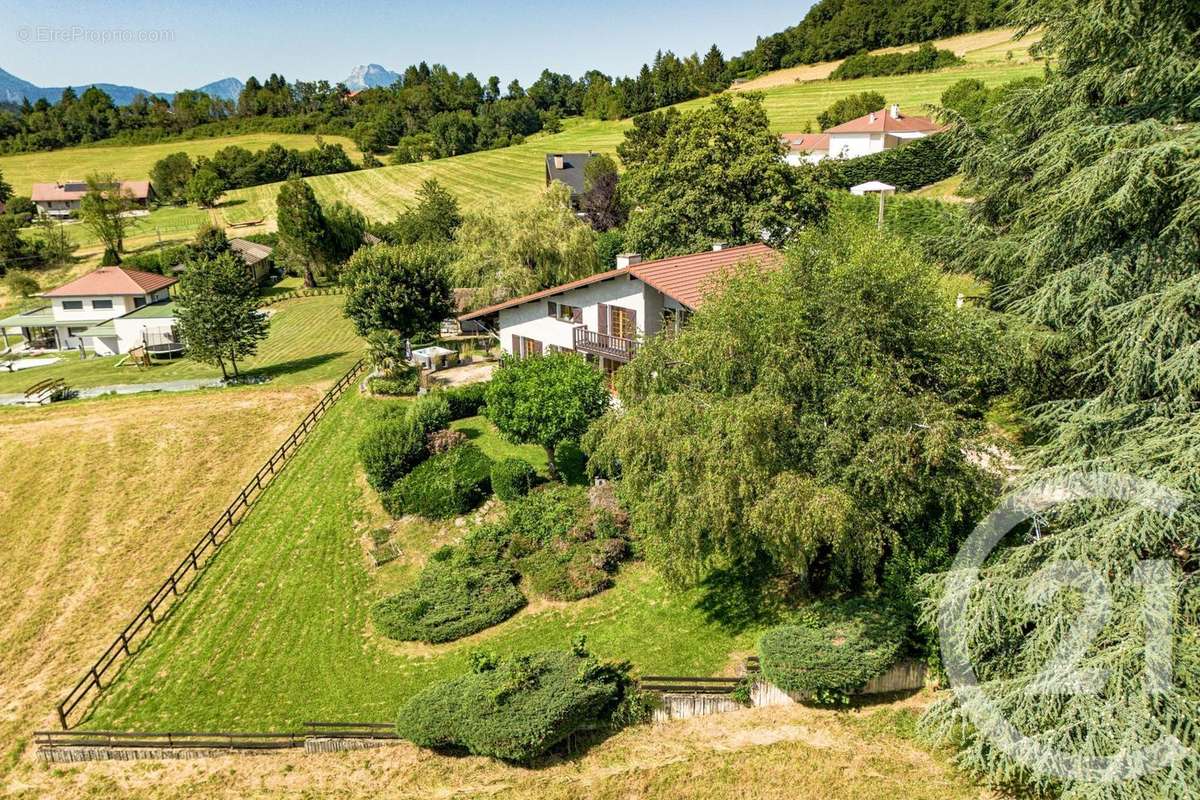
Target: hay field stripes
506 174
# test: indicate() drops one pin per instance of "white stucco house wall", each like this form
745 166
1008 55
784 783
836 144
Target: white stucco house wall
85 311
605 316
871 133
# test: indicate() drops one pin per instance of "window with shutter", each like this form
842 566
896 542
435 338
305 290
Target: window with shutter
602 318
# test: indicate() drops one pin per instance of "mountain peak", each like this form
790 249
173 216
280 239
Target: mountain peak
369 76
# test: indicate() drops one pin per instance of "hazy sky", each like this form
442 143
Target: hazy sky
170 45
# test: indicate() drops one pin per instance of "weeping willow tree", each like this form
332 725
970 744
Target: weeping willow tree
1087 221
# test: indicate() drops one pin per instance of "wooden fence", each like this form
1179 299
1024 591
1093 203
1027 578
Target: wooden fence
181 577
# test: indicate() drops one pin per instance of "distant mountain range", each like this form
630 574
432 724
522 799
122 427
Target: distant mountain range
14 89
369 76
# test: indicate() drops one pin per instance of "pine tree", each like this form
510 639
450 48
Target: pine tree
1087 220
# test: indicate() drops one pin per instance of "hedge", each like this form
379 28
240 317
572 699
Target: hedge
516 708
431 412
389 450
465 401
833 650
455 596
923 59
570 462
442 486
512 478
400 385
907 167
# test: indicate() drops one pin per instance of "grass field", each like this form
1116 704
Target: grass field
512 173
310 342
277 632
98 502
133 162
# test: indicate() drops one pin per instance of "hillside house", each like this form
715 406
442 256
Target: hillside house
871 133
604 316
568 168
108 310
63 199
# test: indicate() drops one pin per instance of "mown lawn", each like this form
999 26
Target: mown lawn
310 341
513 173
278 632
134 162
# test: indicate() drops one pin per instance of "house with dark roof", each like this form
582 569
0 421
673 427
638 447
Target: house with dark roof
84 312
568 168
604 316
62 198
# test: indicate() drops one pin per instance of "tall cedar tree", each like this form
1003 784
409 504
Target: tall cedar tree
716 174
301 227
1087 220
601 202
216 309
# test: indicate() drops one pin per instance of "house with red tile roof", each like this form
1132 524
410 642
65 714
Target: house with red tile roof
604 316
62 198
108 311
871 133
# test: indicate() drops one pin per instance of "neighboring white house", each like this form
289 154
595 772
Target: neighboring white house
604 316
108 310
61 199
871 133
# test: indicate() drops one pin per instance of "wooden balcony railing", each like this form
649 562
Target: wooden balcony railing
602 344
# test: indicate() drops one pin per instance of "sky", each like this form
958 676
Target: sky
169 45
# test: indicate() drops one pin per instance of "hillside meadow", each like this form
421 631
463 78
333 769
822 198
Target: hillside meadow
133 162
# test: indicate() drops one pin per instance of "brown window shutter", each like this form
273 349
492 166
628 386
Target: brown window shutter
602 318
551 308
516 345
577 315
632 322
535 347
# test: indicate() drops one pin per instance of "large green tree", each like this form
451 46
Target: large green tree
1087 219
170 175
545 400
807 429
301 228
717 174
397 288
435 218
217 312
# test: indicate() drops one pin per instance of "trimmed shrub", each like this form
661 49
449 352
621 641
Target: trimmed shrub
516 708
512 478
389 450
832 650
430 412
454 597
400 381
443 486
465 401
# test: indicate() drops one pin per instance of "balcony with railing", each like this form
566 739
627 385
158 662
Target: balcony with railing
603 344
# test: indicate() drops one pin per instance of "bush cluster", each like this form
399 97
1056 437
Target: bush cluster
833 649
570 462
390 449
512 478
400 381
455 596
444 485
910 166
923 59
516 708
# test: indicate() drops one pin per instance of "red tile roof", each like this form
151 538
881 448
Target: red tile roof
883 122
75 190
806 142
681 277
112 281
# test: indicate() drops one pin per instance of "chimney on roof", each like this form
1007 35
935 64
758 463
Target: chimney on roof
871 117
895 111
718 246
558 161
627 260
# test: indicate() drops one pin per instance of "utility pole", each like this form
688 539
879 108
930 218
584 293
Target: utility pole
879 224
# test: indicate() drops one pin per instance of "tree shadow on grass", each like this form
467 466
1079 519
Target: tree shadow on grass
271 371
738 601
